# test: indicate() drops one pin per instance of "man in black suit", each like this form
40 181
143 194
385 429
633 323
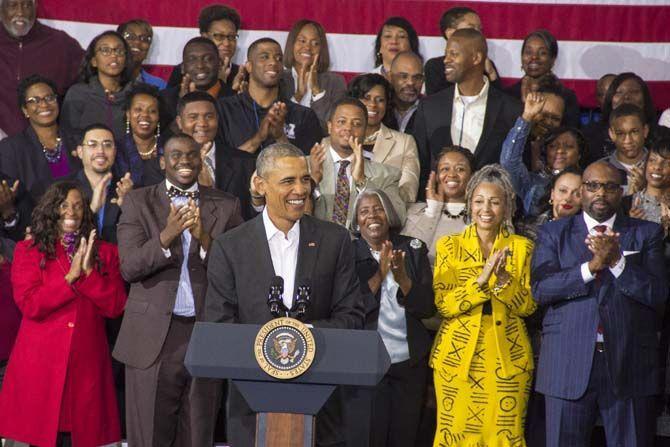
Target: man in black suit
283 241
470 113
223 168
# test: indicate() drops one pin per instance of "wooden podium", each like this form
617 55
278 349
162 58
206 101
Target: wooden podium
286 409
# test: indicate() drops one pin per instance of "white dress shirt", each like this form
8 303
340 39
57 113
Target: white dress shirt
336 160
467 117
307 98
617 269
284 254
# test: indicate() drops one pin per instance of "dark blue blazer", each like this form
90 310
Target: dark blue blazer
628 307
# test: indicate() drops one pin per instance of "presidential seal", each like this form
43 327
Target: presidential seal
284 348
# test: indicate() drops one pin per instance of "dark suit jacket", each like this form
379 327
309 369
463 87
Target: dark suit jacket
239 284
432 128
154 278
234 169
418 304
628 307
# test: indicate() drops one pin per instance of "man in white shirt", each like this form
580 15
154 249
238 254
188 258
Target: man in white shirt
303 250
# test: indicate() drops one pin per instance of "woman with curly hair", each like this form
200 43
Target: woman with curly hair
58 386
481 357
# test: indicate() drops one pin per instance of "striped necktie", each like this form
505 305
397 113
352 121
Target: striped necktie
342 192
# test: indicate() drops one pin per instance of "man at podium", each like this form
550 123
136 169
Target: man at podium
303 251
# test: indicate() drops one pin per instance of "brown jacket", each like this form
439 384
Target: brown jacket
154 278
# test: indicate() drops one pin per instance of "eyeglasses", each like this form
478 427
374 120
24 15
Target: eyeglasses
94 144
595 186
218 37
107 51
36 100
132 37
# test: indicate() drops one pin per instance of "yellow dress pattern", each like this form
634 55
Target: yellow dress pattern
482 364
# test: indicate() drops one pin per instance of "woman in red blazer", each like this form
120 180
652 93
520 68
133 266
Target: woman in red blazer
59 379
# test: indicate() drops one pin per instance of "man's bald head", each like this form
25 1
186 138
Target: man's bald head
406 78
473 40
406 57
601 190
602 169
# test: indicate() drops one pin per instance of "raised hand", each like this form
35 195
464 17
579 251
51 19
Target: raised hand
316 157
100 193
240 83
186 86
500 270
533 106
87 260
123 187
358 166
224 71
636 210
277 117
178 220
385 259
636 180
7 199
490 266
313 77
196 228
301 85
434 189
75 266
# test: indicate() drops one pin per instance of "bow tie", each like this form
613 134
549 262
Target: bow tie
174 193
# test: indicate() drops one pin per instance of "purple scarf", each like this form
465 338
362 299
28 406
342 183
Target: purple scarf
70 243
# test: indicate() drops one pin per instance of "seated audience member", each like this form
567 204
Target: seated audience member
626 88
652 200
340 170
468 114
381 144
444 211
454 19
601 90
601 280
225 169
28 46
628 131
538 56
104 82
307 79
261 116
200 64
482 290
394 269
141 147
165 235
65 283
10 317
103 188
220 24
40 154
396 35
407 82
562 199
139 34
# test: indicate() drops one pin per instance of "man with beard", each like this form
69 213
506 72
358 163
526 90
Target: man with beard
165 235
468 114
28 46
628 130
200 65
407 81
600 277
261 116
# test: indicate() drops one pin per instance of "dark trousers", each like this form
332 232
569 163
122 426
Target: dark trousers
628 422
387 415
165 406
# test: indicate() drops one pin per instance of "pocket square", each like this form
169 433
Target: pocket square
632 252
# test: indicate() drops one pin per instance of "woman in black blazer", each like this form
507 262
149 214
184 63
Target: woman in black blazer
395 273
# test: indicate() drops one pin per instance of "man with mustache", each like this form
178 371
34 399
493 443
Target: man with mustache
263 115
28 46
407 81
469 113
165 235
601 279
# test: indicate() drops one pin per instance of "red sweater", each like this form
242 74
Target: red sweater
10 317
45 51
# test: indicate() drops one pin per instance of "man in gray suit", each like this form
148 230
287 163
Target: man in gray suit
303 250
341 171
165 235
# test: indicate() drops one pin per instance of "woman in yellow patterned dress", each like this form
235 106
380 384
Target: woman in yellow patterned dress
481 358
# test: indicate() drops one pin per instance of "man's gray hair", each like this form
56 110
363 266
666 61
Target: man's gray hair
267 158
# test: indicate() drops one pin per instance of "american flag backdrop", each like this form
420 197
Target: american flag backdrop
595 36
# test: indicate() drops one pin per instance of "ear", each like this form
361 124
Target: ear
259 185
646 131
80 152
178 121
329 126
478 58
611 133
161 162
247 66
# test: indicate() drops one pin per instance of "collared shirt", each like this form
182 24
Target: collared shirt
284 254
403 118
467 117
307 98
617 269
184 305
336 160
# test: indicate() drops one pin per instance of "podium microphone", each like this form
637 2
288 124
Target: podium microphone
302 300
275 297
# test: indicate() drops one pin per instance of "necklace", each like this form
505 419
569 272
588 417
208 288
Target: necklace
453 216
53 155
150 153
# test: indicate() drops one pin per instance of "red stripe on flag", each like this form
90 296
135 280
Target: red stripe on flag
610 23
